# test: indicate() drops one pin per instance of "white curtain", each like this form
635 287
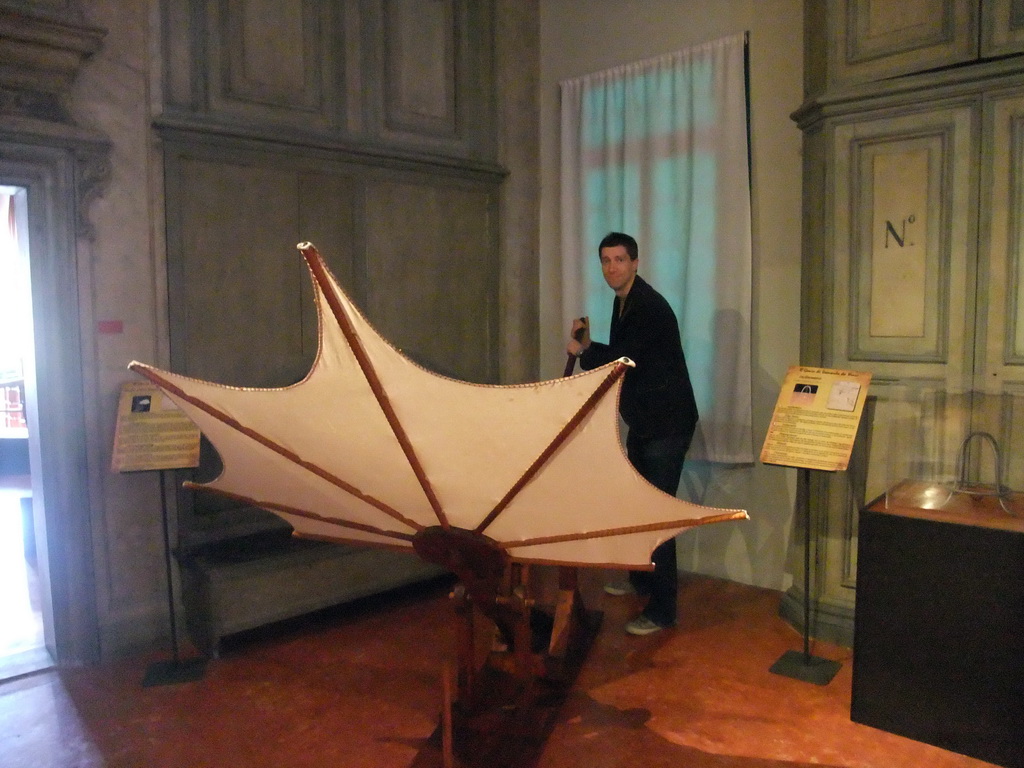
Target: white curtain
659 149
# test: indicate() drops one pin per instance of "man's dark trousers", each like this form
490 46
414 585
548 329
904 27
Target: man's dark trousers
660 462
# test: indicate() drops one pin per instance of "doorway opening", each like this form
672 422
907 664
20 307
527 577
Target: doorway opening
22 641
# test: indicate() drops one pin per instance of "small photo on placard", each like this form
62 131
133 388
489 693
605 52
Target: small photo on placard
843 396
803 394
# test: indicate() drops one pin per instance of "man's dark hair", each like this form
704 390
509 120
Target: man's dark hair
613 239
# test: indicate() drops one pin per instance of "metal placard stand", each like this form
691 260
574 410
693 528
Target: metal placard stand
153 434
803 666
175 669
813 428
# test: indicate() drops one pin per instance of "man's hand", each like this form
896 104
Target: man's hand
580 336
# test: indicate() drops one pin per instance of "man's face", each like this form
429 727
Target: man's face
618 269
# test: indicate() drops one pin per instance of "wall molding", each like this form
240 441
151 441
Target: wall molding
188 128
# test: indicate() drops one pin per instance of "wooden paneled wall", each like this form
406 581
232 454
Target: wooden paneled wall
912 211
364 126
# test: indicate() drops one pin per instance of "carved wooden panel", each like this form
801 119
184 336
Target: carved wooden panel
815 294
421 66
903 288
413 75
898 304
1012 430
273 60
432 288
178 43
1002 27
871 40
1001 332
69 7
435 73
237 287
903 238
241 304
417 254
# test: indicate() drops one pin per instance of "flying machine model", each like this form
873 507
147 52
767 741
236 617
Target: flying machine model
485 480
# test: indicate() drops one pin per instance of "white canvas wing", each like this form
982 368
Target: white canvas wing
372 448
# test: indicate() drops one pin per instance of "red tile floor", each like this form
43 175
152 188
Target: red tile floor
359 687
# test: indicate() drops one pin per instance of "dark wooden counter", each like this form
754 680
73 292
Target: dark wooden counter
939 624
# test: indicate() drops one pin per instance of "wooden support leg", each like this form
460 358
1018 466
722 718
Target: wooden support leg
465 643
567 610
447 748
524 636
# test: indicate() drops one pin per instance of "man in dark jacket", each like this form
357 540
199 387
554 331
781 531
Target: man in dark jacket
657 404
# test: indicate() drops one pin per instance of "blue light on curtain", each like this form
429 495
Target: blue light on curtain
658 149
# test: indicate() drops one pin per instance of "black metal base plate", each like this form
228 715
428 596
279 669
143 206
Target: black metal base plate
809 669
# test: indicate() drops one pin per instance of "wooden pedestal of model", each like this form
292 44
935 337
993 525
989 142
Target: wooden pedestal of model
510 684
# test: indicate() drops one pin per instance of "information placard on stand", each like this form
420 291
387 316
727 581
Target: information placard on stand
816 418
153 434
813 427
